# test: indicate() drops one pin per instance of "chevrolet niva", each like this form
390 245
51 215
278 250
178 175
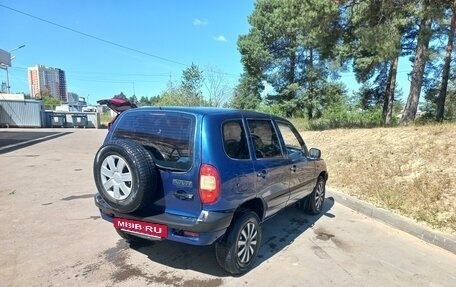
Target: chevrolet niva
204 176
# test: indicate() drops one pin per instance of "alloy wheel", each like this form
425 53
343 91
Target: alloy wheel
116 177
247 243
319 194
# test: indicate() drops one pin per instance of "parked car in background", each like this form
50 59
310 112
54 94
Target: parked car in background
204 176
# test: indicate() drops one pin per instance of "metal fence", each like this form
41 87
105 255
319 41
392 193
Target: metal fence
31 114
21 113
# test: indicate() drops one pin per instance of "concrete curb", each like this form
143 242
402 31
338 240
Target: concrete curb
445 241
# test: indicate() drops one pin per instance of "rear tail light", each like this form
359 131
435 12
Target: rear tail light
209 184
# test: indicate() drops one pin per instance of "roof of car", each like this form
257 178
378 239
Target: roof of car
208 111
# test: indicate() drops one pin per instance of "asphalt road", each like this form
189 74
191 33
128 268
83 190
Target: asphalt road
51 235
12 140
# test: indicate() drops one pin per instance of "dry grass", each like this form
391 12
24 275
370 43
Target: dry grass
409 170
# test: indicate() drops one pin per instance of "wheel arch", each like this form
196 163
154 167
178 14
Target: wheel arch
324 174
256 205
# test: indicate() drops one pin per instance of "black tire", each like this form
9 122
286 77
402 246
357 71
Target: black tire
315 200
125 175
230 250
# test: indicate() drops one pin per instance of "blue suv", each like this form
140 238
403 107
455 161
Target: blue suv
204 176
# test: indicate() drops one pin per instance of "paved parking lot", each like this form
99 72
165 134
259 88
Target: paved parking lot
51 235
15 139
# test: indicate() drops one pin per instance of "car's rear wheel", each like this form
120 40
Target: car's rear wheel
237 250
125 175
316 199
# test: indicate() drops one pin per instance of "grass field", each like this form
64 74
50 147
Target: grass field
409 170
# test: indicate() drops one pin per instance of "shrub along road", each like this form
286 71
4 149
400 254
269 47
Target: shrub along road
52 235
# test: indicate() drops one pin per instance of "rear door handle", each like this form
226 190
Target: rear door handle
262 173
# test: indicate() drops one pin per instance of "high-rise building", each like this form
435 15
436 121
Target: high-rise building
44 79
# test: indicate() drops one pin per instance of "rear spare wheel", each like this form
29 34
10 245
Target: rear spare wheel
125 175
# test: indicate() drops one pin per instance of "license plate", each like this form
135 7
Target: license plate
144 228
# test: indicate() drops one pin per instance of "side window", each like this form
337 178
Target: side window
265 139
235 140
293 142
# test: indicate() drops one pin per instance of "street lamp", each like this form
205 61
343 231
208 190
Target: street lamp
20 47
5 63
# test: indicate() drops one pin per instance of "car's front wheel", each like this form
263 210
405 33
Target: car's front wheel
237 250
316 199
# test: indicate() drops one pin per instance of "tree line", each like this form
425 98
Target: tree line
301 47
296 50
189 91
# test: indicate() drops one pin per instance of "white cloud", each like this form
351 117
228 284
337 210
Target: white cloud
198 22
220 38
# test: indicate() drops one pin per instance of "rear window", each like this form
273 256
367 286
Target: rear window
168 136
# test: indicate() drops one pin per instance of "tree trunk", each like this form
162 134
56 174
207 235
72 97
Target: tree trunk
293 63
419 64
310 67
389 96
446 67
289 95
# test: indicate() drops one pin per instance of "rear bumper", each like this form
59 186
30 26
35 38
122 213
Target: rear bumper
209 226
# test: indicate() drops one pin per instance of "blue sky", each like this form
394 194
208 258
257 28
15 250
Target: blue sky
168 36
183 32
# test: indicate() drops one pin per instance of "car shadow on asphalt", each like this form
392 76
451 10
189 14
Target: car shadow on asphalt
282 230
11 141
279 232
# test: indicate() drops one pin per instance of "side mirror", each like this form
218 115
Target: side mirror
314 153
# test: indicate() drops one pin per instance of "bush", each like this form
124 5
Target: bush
301 124
334 117
338 117
273 109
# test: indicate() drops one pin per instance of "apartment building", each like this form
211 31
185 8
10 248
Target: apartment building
44 79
